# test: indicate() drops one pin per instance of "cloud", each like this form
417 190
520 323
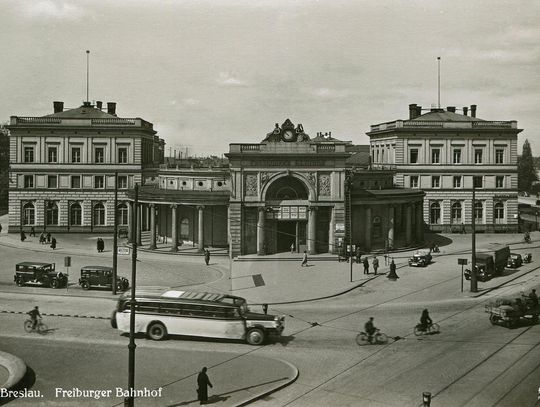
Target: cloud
328 93
226 79
54 9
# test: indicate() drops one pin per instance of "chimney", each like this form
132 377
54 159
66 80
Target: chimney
99 104
418 111
451 109
412 111
111 108
473 110
465 110
58 107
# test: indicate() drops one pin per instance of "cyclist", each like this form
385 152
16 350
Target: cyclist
34 314
370 329
425 320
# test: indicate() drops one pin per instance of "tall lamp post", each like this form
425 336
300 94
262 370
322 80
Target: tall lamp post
474 280
115 237
349 186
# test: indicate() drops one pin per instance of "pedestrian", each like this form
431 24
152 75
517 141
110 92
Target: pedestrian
265 308
32 231
42 238
366 265
48 237
207 256
358 254
203 382
53 243
102 245
304 259
23 236
98 246
392 274
533 297
0 228
292 247
375 264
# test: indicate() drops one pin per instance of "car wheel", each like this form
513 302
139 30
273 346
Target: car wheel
20 282
114 324
54 283
156 331
120 286
493 319
85 285
255 336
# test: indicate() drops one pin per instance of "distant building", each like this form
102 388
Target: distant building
63 167
442 153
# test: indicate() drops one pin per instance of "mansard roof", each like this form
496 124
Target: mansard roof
441 115
83 112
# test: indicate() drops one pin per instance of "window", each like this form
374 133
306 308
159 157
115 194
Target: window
122 155
99 214
479 212
478 182
52 181
435 156
75 214
457 181
29 214
457 156
122 182
478 156
99 154
75 181
51 213
413 155
435 213
75 154
499 182
498 212
122 215
499 156
184 229
414 181
99 181
456 212
52 154
29 181
435 181
29 154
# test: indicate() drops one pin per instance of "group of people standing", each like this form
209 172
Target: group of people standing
100 245
43 237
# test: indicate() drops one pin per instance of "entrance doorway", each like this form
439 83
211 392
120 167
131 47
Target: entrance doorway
286 235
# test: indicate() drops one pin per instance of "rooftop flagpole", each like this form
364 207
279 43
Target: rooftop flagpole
87 74
439 82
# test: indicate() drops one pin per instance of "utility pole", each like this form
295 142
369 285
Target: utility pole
349 184
474 280
115 237
132 346
439 82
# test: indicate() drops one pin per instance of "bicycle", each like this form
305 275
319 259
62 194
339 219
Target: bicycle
431 329
40 327
378 338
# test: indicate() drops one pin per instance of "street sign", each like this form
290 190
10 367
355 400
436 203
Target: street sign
123 250
462 262
67 261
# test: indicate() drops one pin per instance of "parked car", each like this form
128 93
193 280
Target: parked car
514 261
40 274
101 276
420 258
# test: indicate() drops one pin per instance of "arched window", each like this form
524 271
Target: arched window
99 214
456 212
75 214
29 214
184 229
479 212
51 215
435 213
122 213
498 212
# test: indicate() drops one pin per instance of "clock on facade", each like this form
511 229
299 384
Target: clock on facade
288 135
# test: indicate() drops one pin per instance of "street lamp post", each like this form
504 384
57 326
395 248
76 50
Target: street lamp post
474 280
349 185
115 237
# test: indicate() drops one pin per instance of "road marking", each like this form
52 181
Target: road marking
55 315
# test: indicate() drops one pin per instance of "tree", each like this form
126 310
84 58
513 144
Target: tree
526 170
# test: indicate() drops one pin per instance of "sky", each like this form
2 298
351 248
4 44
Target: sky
210 73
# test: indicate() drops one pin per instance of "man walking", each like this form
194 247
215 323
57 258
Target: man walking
375 264
292 247
304 259
53 243
203 382
366 265
207 256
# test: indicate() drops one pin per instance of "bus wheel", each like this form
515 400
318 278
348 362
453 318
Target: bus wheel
255 336
157 331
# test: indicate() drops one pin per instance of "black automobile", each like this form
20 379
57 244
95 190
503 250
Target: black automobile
514 261
101 276
39 274
420 258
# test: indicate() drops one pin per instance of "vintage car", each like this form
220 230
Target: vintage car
514 261
41 274
420 258
101 276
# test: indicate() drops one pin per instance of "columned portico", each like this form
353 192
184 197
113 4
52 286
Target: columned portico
200 209
368 228
260 232
408 228
391 225
331 230
152 227
312 224
174 234
419 222
139 224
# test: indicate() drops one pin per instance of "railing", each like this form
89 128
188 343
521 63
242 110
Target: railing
115 121
78 121
326 148
40 120
443 124
250 147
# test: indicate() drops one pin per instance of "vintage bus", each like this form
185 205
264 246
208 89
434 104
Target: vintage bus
160 312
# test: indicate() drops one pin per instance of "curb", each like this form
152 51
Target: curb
56 315
16 369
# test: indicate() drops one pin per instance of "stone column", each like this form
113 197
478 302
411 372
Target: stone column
260 232
367 242
174 230
152 227
312 235
139 224
331 231
390 236
419 222
408 228
130 221
201 227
